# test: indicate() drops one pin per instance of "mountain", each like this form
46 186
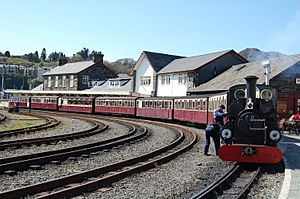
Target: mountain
254 54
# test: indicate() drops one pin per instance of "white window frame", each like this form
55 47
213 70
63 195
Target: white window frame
163 80
145 80
64 78
49 81
168 79
56 81
71 81
85 79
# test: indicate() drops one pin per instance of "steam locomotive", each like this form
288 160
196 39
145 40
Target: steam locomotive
251 132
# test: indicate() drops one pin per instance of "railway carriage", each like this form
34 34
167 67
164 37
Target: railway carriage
24 101
161 108
191 109
44 102
214 102
116 105
76 104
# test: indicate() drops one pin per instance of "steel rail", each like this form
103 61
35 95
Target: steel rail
92 185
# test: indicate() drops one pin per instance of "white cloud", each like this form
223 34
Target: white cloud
288 39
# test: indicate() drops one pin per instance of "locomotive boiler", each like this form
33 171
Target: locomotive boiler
251 133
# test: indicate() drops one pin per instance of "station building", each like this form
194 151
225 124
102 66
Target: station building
283 74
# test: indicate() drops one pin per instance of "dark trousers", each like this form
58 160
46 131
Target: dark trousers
216 138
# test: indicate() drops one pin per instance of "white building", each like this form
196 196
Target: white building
182 74
145 71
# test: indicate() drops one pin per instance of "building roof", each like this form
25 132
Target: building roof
236 74
157 60
125 87
70 68
192 63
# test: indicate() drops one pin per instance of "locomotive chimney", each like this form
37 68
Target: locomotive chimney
251 90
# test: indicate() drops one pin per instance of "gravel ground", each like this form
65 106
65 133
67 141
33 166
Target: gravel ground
70 143
179 178
156 140
269 184
67 126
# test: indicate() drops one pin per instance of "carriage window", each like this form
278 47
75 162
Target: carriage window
150 104
166 105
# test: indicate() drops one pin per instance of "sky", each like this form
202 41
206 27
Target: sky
125 28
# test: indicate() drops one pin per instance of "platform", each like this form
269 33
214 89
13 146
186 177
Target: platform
290 147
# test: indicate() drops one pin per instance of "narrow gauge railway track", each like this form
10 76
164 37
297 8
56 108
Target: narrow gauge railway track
50 139
23 162
96 178
50 123
233 184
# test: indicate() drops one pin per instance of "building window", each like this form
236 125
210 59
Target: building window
182 78
85 79
114 83
146 80
168 79
71 81
163 80
49 81
64 83
56 81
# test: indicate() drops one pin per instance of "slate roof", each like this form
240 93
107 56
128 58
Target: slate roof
70 68
158 60
236 74
126 86
192 63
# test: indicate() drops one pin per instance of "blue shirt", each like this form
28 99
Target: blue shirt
218 116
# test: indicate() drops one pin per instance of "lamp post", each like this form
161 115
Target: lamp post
267 66
2 81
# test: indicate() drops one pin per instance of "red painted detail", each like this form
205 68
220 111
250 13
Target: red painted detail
155 113
115 109
43 106
194 116
21 104
82 108
262 154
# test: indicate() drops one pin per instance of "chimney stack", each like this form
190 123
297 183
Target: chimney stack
98 57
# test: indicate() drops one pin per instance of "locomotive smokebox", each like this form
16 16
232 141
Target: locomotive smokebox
251 88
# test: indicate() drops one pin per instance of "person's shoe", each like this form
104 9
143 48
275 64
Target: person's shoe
206 154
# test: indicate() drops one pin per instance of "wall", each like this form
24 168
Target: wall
174 89
144 69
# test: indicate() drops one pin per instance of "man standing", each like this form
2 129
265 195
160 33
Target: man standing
212 131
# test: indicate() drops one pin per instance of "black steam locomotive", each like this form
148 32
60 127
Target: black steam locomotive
251 132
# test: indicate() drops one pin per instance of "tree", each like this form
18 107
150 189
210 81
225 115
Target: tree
36 55
7 54
54 56
76 58
84 53
43 54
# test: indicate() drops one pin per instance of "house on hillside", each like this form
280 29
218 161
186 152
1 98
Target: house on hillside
145 71
284 76
78 75
180 74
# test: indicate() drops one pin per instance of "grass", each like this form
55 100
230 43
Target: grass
20 124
